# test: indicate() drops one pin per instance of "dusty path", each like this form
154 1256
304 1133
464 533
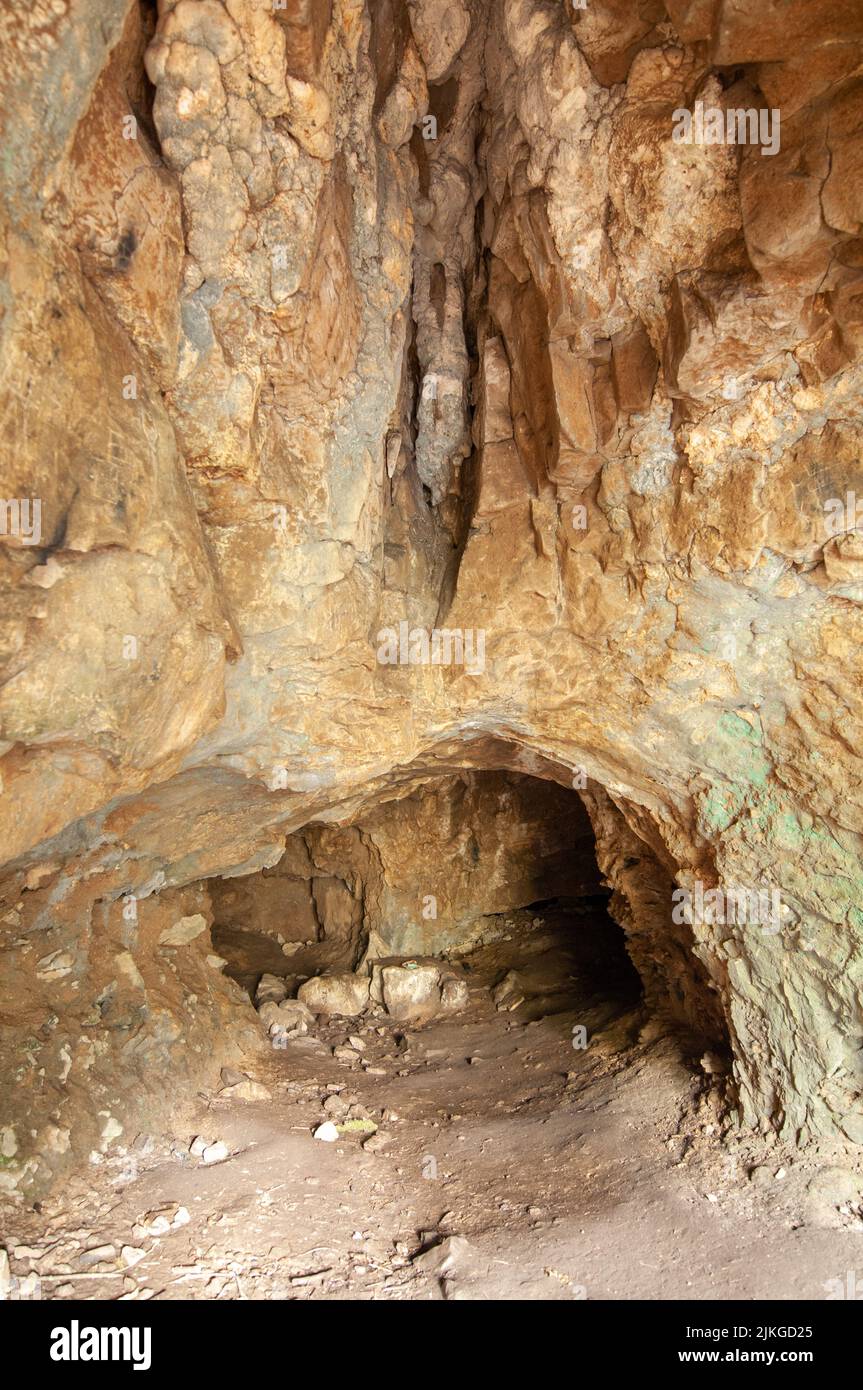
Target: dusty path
604 1173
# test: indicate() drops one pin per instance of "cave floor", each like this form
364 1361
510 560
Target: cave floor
611 1172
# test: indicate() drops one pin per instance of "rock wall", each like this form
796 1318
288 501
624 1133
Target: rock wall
287 364
417 875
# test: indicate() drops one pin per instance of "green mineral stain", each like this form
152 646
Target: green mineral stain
735 750
719 807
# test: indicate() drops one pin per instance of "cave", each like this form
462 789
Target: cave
431 551
497 848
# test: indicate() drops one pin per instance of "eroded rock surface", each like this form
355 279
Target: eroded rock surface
286 365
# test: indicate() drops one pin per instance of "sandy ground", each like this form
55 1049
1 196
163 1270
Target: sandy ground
507 1164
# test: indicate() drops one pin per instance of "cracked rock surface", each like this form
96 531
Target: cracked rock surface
321 320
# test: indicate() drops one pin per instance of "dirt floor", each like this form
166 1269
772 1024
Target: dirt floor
507 1163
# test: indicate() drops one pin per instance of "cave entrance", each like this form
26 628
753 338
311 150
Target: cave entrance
493 875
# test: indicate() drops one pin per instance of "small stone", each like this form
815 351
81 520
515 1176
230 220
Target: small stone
246 1091
215 1153
357 1043
454 995
160 1222
444 1257
291 1018
503 992
5 1275
231 1077
271 989
131 1255
335 1107
327 1132
713 1064
158 1226
99 1254
376 1142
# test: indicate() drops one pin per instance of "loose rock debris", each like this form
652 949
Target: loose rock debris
428 1185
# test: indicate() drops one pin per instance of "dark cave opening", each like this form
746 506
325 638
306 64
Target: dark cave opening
506 879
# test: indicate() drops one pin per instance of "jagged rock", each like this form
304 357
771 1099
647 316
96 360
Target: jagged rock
215 1153
292 1016
246 1090
271 989
415 991
394 311
184 931
447 1256
411 993
454 995
345 994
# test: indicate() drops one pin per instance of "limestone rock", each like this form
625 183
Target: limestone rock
184 931
347 995
349 317
246 1090
270 990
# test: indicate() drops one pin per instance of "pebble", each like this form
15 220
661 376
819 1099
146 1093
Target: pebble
159 1223
444 1257
376 1142
327 1132
215 1153
335 1107
99 1254
246 1090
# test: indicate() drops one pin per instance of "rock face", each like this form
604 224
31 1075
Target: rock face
418 873
388 395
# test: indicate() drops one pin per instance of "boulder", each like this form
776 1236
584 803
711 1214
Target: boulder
346 994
